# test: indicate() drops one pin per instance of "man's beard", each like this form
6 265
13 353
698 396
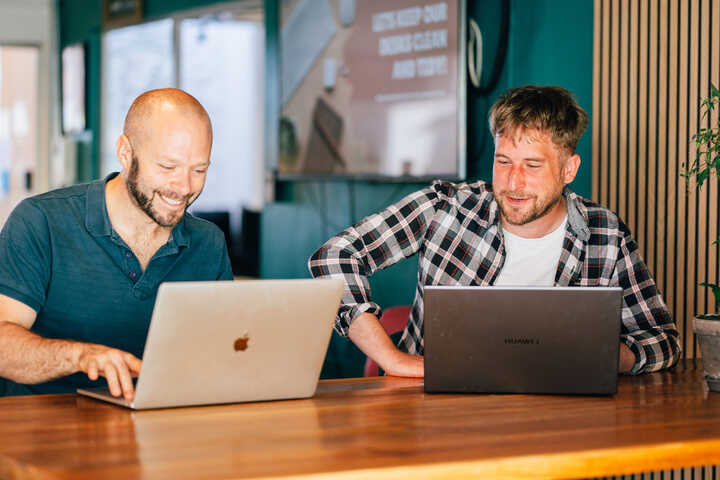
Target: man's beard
538 210
145 202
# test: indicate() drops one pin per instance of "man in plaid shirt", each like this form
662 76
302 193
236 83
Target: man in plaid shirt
525 228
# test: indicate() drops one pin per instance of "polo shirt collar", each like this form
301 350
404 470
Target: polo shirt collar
97 220
180 234
96 216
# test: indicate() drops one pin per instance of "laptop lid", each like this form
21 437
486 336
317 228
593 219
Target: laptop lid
558 340
235 341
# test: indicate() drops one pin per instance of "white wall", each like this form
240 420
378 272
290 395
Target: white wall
34 22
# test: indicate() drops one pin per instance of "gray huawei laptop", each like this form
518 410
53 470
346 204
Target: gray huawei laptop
226 342
553 340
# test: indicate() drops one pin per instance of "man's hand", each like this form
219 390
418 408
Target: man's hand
405 365
116 366
25 357
626 360
370 337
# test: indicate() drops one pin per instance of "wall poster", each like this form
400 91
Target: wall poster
372 88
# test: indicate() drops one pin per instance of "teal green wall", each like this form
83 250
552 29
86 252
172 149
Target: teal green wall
79 22
551 43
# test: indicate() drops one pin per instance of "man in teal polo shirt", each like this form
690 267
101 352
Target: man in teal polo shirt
80 266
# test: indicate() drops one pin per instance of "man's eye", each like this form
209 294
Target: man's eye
201 170
534 165
166 167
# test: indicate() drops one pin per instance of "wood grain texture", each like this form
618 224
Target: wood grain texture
371 428
647 112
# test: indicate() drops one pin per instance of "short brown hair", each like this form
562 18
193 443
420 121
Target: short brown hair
546 109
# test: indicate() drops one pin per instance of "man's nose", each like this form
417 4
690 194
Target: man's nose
516 179
181 183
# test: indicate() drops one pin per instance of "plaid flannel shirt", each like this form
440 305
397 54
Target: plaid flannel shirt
456 232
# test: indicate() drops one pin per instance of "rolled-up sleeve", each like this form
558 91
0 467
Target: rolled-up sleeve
647 327
376 242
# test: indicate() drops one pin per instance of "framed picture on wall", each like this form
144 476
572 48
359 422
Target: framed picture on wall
372 88
120 13
73 88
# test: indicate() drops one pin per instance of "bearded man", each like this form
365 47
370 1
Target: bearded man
525 228
80 266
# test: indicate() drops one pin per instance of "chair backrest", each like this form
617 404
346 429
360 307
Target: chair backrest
393 320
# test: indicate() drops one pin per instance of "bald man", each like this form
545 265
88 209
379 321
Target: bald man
80 266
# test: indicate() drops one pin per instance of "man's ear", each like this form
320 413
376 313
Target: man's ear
570 169
124 152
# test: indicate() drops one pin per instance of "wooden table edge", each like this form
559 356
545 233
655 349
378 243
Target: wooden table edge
582 464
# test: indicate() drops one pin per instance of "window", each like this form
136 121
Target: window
18 124
222 65
135 59
216 56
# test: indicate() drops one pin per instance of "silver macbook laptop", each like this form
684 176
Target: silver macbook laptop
241 341
557 340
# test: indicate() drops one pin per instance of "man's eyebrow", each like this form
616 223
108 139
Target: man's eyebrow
166 158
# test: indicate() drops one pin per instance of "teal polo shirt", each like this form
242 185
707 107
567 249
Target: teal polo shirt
60 255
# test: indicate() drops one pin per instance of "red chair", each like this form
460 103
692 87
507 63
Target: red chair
393 320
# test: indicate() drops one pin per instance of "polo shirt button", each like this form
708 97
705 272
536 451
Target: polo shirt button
133 274
128 254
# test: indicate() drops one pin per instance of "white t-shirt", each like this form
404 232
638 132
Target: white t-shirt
531 261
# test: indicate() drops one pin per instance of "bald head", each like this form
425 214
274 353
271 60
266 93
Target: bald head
165 153
158 106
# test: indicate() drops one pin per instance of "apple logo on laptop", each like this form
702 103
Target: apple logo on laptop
241 343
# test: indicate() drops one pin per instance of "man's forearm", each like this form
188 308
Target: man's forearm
29 358
370 337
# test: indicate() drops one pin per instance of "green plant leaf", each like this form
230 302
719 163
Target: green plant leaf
702 175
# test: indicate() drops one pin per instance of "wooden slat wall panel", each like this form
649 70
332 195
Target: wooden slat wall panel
678 306
633 115
671 140
650 140
653 61
622 113
642 137
714 202
691 349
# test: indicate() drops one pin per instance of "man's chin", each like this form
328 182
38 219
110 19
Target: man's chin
172 222
517 221
168 221
518 217
515 216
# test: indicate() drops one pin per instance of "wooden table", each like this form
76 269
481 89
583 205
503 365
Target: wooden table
371 428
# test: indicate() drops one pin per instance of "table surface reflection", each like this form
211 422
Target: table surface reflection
372 428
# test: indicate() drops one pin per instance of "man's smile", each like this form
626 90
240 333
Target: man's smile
174 203
517 200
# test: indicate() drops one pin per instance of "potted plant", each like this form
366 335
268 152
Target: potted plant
707 160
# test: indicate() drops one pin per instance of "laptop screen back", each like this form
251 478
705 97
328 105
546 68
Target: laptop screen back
223 342
561 340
